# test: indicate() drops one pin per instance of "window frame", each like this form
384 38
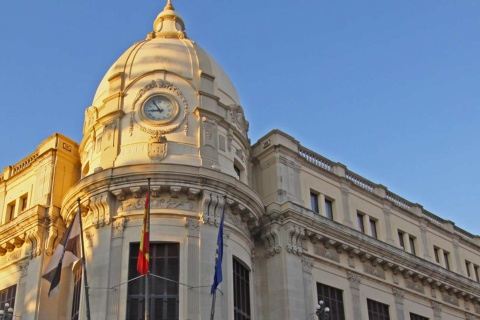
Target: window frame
401 240
242 309
361 221
8 295
328 205
412 242
446 258
373 227
314 203
333 298
414 316
376 310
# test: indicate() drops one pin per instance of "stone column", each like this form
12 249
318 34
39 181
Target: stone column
456 252
355 289
398 294
426 247
115 268
193 275
308 283
437 310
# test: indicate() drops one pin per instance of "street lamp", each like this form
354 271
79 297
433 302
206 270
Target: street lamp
7 313
322 311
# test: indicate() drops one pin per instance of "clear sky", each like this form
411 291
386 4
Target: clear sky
391 89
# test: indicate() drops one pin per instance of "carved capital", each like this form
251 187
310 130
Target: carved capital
307 264
193 227
398 295
354 280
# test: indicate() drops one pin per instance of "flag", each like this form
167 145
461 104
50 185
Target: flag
217 278
143 252
66 253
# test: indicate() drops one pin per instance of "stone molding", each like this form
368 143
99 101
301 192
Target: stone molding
271 239
295 236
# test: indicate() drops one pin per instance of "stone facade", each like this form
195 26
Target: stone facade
292 217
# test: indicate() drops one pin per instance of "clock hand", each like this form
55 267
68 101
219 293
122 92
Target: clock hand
156 105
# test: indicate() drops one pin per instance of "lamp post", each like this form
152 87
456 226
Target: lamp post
6 313
322 311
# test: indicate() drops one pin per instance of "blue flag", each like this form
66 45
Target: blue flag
217 278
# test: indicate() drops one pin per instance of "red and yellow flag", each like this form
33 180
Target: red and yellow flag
143 253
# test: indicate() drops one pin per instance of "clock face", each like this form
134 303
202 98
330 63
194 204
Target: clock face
159 108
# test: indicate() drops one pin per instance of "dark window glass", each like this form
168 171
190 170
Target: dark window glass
77 289
333 299
412 245
377 310
400 239
437 257
373 228
329 209
475 270
361 227
11 212
237 171
467 267
241 291
414 316
314 202
164 295
8 296
24 203
445 257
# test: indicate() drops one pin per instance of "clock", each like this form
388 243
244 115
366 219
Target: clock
160 109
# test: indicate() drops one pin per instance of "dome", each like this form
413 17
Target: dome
168 49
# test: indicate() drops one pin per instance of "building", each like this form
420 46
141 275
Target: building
299 228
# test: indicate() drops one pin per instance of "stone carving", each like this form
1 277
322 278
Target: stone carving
398 295
209 133
437 309
239 118
108 140
156 203
367 268
158 148
237 222
23 268
90 118
307 264
271 238
119 224
240 154
100 210
450 299
89 237
67 147
165 86
295 234
469 316
354 280
415 286
193 227
326 253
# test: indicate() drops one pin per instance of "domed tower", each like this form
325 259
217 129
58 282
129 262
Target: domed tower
165 111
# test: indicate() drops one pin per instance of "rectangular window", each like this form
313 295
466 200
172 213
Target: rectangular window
8 296
333 299
437 255
445 257
401 235
361 227
329 209
377 310
411 240
373 228
24 202
475 271
241 291
164 294
314 202
10 212
467 267
77 289
414 316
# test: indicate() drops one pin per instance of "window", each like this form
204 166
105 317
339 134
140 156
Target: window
24 202
467 267
445 257
241 291
377 310
361 227
10 212
437 255
411 240
329 209
314 202
475 271
8 296
333 299
401 234
237 171
373 228
77 289
414 316
164 295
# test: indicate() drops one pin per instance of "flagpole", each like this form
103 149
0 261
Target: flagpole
218 256
84 264
147 293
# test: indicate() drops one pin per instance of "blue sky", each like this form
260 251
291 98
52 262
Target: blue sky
391 89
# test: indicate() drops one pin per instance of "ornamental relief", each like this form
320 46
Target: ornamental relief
156 203
379 273
238 117
91 115
161 86
326 253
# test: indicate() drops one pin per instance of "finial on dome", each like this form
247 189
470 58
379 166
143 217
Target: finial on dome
169 6
168 24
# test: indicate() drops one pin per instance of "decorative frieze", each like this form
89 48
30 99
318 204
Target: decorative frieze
326 253
416 286
374 271
450 299
156 203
